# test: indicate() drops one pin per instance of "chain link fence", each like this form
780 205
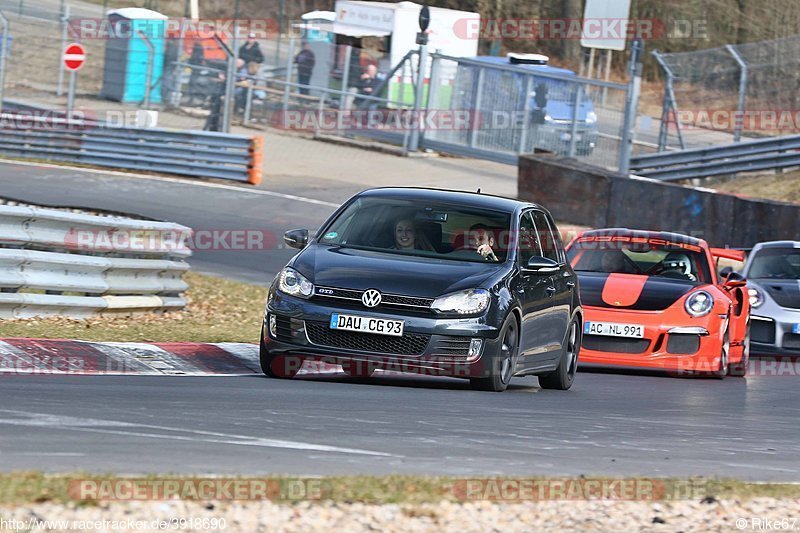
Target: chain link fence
478 107
518 109
721 95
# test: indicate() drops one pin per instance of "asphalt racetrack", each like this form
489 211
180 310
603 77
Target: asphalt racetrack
608 424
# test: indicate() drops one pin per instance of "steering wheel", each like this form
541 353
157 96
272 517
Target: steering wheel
636 268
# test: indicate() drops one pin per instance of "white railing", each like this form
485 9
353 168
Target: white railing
60 263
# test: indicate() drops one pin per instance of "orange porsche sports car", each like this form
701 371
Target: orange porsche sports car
654 299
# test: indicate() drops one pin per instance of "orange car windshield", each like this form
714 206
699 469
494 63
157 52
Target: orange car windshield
667 261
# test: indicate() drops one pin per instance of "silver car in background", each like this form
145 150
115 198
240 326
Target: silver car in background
773 278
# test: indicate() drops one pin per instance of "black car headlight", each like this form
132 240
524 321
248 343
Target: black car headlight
756 297
469 302
699 303
293 283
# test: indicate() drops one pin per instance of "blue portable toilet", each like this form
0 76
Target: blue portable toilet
127 54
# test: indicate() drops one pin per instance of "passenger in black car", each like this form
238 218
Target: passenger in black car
407 237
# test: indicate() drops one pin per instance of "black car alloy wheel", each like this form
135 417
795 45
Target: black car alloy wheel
502 367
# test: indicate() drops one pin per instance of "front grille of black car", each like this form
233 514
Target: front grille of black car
603 343
387 300
283 328
762 331
684 344
319 333
451 347
791 341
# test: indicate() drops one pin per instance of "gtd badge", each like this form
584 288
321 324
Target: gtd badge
326 292
371 298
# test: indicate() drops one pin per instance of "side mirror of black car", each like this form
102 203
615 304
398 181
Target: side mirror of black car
734 279
296 238
542 265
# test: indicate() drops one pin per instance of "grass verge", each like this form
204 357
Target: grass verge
782 187
218 310
21 488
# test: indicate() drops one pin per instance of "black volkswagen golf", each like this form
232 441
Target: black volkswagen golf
428 281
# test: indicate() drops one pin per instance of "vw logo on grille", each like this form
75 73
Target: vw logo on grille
371 298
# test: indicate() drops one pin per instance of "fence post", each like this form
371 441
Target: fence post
433 84
230 75
151 50
475 119
737 132
413 144
346 76
3 54
248 104
668 103
631 107
575 108
64 36
526 116
289 71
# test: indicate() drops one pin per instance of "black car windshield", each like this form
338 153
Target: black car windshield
776 263
642 256
438 230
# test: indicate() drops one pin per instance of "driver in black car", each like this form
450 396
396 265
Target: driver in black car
481 239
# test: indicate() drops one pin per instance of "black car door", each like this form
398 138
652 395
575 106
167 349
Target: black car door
534 290
561 283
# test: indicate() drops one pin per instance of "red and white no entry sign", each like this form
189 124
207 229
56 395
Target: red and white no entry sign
74 56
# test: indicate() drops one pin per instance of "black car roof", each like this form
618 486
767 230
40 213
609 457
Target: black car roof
472 199
666 235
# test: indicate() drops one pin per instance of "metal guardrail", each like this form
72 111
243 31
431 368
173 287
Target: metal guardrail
185 153
59 263
763 154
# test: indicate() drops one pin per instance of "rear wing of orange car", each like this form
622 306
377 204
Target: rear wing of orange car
728 253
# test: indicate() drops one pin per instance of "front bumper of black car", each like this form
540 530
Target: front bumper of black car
430 344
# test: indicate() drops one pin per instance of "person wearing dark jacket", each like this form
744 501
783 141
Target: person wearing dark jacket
305 67
250 51
366 86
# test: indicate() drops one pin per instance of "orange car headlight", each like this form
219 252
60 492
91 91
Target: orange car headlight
699 303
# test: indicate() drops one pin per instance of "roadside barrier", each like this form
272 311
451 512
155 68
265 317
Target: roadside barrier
60 263
182 152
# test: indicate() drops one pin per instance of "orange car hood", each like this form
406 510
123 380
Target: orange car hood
631 291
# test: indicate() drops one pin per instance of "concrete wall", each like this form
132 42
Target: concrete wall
583 194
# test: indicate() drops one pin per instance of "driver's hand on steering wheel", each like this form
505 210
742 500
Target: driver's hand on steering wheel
486 252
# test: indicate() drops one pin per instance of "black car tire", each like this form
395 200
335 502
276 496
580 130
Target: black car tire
277 366
501 368
563 376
